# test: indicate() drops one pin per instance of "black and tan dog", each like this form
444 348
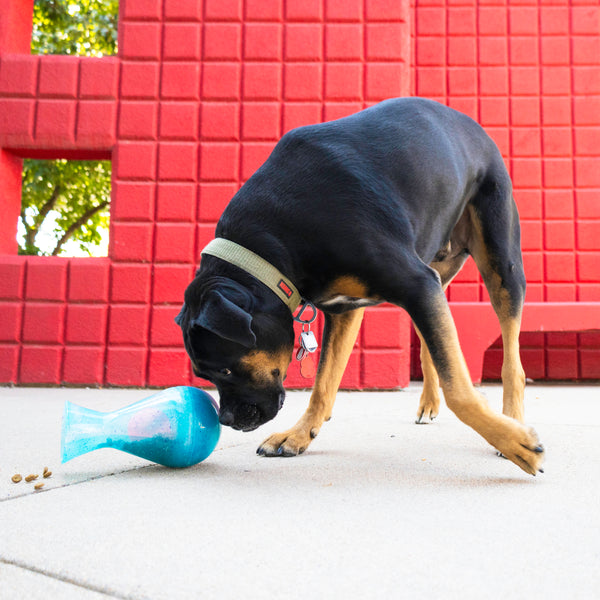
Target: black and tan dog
384 205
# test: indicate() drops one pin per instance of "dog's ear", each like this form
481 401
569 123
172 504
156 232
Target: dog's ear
221 316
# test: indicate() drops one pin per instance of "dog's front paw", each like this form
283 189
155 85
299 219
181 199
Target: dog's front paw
429 407
289 443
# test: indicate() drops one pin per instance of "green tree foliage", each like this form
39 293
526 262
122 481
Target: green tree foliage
72 198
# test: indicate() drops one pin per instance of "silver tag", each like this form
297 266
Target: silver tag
308 341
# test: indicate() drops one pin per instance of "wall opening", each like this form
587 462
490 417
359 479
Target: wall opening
65 208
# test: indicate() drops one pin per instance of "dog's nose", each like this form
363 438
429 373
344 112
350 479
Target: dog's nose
281 400
226 418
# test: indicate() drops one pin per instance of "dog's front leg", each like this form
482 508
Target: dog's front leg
339 337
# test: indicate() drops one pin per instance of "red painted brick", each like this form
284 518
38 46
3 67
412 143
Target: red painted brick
560 266
174 243
139 80
126 366
531 235
262 81
339 110
254 155
526 173
169 283
384 10
343 10
185 10
55 124
43 323
130 283
300 113
556 51
223 10
131 241
523 50
212 200
182 41
263 10
587 266
385 80
59 76
219 162
557 141
590 363
352 374
133 201
560 292
587 173
180 80
83 365
41 364
430 81
86 324
263 41
526 141
462 81
559 235
525 111
585 50
88 280
303 41
344 42
10 324
168 367
524 81
9 363
430 21
556 110
462 51
303 81
18 75
176 202
97 124
220 121
385 369
586 141
128 325
12 276
261 120
561 363
588 235
135 160
46 278
385 328
138 120
556 80
222 41
144 9
462 21
165 332
309 10
558 172
221 81
140 40
430 51
16 121
558 204
205 233
554 20
177 161
344 81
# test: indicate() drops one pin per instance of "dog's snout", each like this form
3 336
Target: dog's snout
226 418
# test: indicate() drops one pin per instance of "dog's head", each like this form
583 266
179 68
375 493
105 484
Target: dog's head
241 340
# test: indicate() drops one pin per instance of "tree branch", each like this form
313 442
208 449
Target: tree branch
77 224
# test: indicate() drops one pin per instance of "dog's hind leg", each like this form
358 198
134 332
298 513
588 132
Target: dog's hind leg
339 337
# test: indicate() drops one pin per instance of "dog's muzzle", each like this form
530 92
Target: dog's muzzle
248 416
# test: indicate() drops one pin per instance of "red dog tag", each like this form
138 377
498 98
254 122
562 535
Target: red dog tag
307 367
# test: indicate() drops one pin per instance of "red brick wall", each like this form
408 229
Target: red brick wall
195 101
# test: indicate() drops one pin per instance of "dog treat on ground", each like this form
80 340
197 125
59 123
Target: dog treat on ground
16 478
31 478
45 470
38 486
47 473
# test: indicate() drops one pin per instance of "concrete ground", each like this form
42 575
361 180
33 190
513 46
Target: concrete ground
378 507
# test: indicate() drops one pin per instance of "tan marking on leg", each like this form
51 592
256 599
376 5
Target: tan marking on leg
261 364
429 403
340 340
347 286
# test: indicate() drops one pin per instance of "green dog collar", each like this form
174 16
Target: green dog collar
258 267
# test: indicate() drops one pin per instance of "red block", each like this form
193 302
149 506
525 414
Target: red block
554 20
430 22
263 10
59 76
130 283
585 50
9 363
344 81
556 80
222 41
556 110
430 81
387 41
385 328
220 121
176 202
430 51
138 120
213 198
558 204
254 155
83 365
343 10
587 266
18 75
462 21
263 41
588 235
126 366
493 81
586 141
221 81
12 276
587 173
144 9
524 81
492 20
385 369
131 242
261 120
97 124
557 141
386 10
43 322
88 280
560 266
139 80
304 41
10 323
339 110
140 40
223 10
168 367
558 172
133 201
344 42
526 141
41 364
526 173
262 81
556 51
590 363
205 233
180 80
386 80
525 111
559 235
135 160
303 81
219 161
531 235
177 161
462 81
128 325
55 124
185 10
169 283
86 324
300 113
351 377
182 41
174 243
561 363
309 10
16 122
46 278
165 332
523 50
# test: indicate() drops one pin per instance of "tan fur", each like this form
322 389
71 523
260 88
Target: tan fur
261 364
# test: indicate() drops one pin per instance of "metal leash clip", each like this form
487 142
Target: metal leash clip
307 339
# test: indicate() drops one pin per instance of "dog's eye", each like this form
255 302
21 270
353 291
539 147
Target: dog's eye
225 372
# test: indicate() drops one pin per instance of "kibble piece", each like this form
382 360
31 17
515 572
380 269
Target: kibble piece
31 478
47 474
45 471
16 478
38 486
